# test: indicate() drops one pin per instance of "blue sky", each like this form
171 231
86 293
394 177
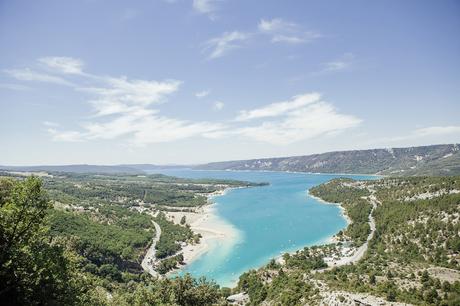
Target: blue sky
192 81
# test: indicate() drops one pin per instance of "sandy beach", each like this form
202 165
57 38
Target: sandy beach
206 222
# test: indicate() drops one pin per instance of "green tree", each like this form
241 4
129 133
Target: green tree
33 269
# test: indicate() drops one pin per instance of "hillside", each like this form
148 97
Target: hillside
411 256
425 160
80 239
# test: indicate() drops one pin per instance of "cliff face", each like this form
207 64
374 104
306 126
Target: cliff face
426 160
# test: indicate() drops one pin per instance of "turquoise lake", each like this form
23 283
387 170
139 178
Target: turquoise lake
271 220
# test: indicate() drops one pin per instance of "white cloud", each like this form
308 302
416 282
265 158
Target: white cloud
343 63
30 75
437 131
279 31
295 39
206 6
302 117
121 107
202 94
279 108
431 133
283 31
317 119
119 94
130 101
276 25
169 129
218 105
63 64
223 44
287 39
66 136
126 108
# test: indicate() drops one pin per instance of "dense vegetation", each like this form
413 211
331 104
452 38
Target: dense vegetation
54 257
171 235
104 245
352 199
414 256
86 250
34 268
413 236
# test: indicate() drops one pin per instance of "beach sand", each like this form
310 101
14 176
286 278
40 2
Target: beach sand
206 222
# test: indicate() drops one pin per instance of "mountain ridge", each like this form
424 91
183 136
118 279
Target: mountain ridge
441 159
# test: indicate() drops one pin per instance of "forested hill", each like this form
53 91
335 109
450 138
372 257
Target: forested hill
425 160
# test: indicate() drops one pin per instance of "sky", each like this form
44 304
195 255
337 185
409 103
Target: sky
195 81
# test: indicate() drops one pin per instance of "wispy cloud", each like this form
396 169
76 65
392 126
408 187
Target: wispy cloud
277 29
65 136
120 95
221 45
202 94
343 63
279 108
300 118
27 74
129 110
276 25
207 7
437 131
218 105
282 31
124 107
449 133
63 64
121 107
297 121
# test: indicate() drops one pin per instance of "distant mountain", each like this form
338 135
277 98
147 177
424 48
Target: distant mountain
76 169
425 160
151 167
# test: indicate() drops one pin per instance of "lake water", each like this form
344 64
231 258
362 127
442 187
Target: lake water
270 220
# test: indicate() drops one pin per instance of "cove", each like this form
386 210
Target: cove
270 220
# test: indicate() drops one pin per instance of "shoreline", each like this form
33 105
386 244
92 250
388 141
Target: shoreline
295 172
209 225
206 222
325 241
339 205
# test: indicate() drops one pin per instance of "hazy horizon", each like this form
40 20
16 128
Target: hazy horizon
205 162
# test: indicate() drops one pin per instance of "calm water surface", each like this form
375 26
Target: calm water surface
271 220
